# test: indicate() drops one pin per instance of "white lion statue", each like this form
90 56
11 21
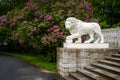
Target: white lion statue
77 28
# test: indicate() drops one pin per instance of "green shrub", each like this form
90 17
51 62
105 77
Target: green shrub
116 25
104 24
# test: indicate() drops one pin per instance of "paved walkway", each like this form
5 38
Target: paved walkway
12 68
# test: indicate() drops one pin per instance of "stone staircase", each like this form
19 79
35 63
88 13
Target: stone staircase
107 69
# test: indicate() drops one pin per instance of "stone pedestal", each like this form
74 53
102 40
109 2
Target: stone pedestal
70 59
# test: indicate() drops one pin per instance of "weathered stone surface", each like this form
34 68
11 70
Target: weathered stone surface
71 60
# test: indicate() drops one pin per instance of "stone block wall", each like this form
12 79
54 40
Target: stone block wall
71 60
112 36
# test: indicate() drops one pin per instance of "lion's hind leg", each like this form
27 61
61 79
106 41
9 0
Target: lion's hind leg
97 41
99 33
100 39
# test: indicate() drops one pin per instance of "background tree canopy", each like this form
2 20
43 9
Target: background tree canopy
107 11
7 5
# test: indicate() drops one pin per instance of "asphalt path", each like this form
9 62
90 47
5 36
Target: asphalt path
12 68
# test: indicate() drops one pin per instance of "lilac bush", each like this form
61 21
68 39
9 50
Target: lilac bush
40 24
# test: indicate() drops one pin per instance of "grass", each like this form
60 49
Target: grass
35 60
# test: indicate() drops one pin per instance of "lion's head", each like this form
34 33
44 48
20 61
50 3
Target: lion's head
71 22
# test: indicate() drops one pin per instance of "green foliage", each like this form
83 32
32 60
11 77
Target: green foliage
107 11
4 35
39 26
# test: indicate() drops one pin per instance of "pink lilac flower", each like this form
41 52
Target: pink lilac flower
36 20
29 3
68 4
39 26
83 1
47 38
49 30
37 13
32 5
53 33
24 23
12 24
55 30
24 9
15 35
20 42
32 30
55 26
59 33
36 6
78 9
88 6
89 11
3 19
14 19
48 17
87 17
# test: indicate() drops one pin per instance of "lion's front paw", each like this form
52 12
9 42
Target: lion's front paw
77 41
68 39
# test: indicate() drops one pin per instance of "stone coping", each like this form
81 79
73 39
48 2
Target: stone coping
90 48
86 46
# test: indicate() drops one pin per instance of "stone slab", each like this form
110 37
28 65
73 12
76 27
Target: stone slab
86 46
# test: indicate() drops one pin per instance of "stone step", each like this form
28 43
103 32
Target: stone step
68 78
109 63
113 59
118 51
90 74
78 76
102 72
116 55
107 67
